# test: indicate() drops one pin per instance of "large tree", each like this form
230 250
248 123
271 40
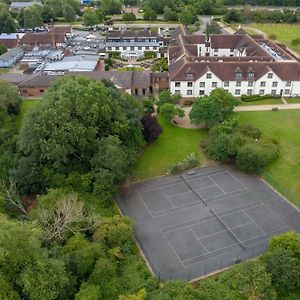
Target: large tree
213 109
84 135
7 22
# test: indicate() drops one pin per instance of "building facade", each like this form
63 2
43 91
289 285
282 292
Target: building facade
239 63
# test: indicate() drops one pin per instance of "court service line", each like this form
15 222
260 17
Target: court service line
217 185
237 180
166 196
199 240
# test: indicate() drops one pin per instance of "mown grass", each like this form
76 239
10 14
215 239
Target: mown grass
285 33
284 173
261 102
172 146
292 100
26 106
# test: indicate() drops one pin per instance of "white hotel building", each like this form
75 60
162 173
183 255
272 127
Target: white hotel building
239 63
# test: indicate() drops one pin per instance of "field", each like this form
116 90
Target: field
26 106
292 100
261 102
173 145
285 33
284 173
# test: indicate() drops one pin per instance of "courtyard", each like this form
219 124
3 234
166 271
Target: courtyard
193 224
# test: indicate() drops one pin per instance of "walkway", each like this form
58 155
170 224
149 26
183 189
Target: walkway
267 107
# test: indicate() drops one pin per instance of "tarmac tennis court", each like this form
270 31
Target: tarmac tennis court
192 224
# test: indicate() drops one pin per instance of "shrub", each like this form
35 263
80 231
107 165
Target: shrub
251 158
272 36
271 149
151 128
189 162
249 130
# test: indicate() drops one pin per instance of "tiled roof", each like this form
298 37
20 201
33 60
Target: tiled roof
42 38
130 34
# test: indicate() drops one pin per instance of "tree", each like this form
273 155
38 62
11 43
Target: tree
187 16
90 18
169 111
170 15
48 14
129 17
7 22
213 109
150 15
166 97
3 49
112 7
206 7
250 158
160 65
141 295
151 128
101 15
33 16
251 280
284 268
62 215
10 100
69 13
232 16
84 140
212 28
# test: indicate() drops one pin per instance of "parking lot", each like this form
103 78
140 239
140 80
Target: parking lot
193 224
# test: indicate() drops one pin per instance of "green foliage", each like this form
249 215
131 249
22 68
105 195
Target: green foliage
150 15
9 98
284 268
32 17
48 13
187 16
111 7
191 161
129 17
166 97
251 280
90 18
84 132
169 111
69 13
160 65
3 49
213 109
141 295
7 22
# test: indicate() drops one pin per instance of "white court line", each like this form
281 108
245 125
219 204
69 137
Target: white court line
166 196
199 241
258 227
237 180
172 247
275 215
217 184
145 204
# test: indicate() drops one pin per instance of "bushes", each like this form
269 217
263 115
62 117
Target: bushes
242 144
190 162
252 98
151 128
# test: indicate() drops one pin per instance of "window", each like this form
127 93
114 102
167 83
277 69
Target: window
189 92
208 75
42 91
287 91
147 47
232 49
288 83
263 83
250 83
270 75
226 83
216 50
250 74
238 75
109 48
177 84
177 92
273 92
124 48
249 92
189 75
201 92
132 48
274 83
214 84
261 92
154 47
202 84
238 83
237 92
140 48
117 48
144 92
189 84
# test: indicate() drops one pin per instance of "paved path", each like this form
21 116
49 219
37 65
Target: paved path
267 107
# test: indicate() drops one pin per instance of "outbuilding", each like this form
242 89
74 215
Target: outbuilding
11 57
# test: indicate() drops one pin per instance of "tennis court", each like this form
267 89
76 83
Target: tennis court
195 223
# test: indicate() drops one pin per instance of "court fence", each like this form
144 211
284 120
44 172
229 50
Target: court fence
208 266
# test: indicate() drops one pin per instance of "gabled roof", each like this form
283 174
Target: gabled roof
43 38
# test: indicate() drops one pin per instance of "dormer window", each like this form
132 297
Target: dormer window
250 74
189 75
238 75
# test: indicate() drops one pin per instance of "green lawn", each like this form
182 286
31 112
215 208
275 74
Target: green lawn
292 100
284 32
284 173
26 106
172 146
261 102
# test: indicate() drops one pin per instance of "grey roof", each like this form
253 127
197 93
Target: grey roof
39 80
11 54
16 78
23 4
